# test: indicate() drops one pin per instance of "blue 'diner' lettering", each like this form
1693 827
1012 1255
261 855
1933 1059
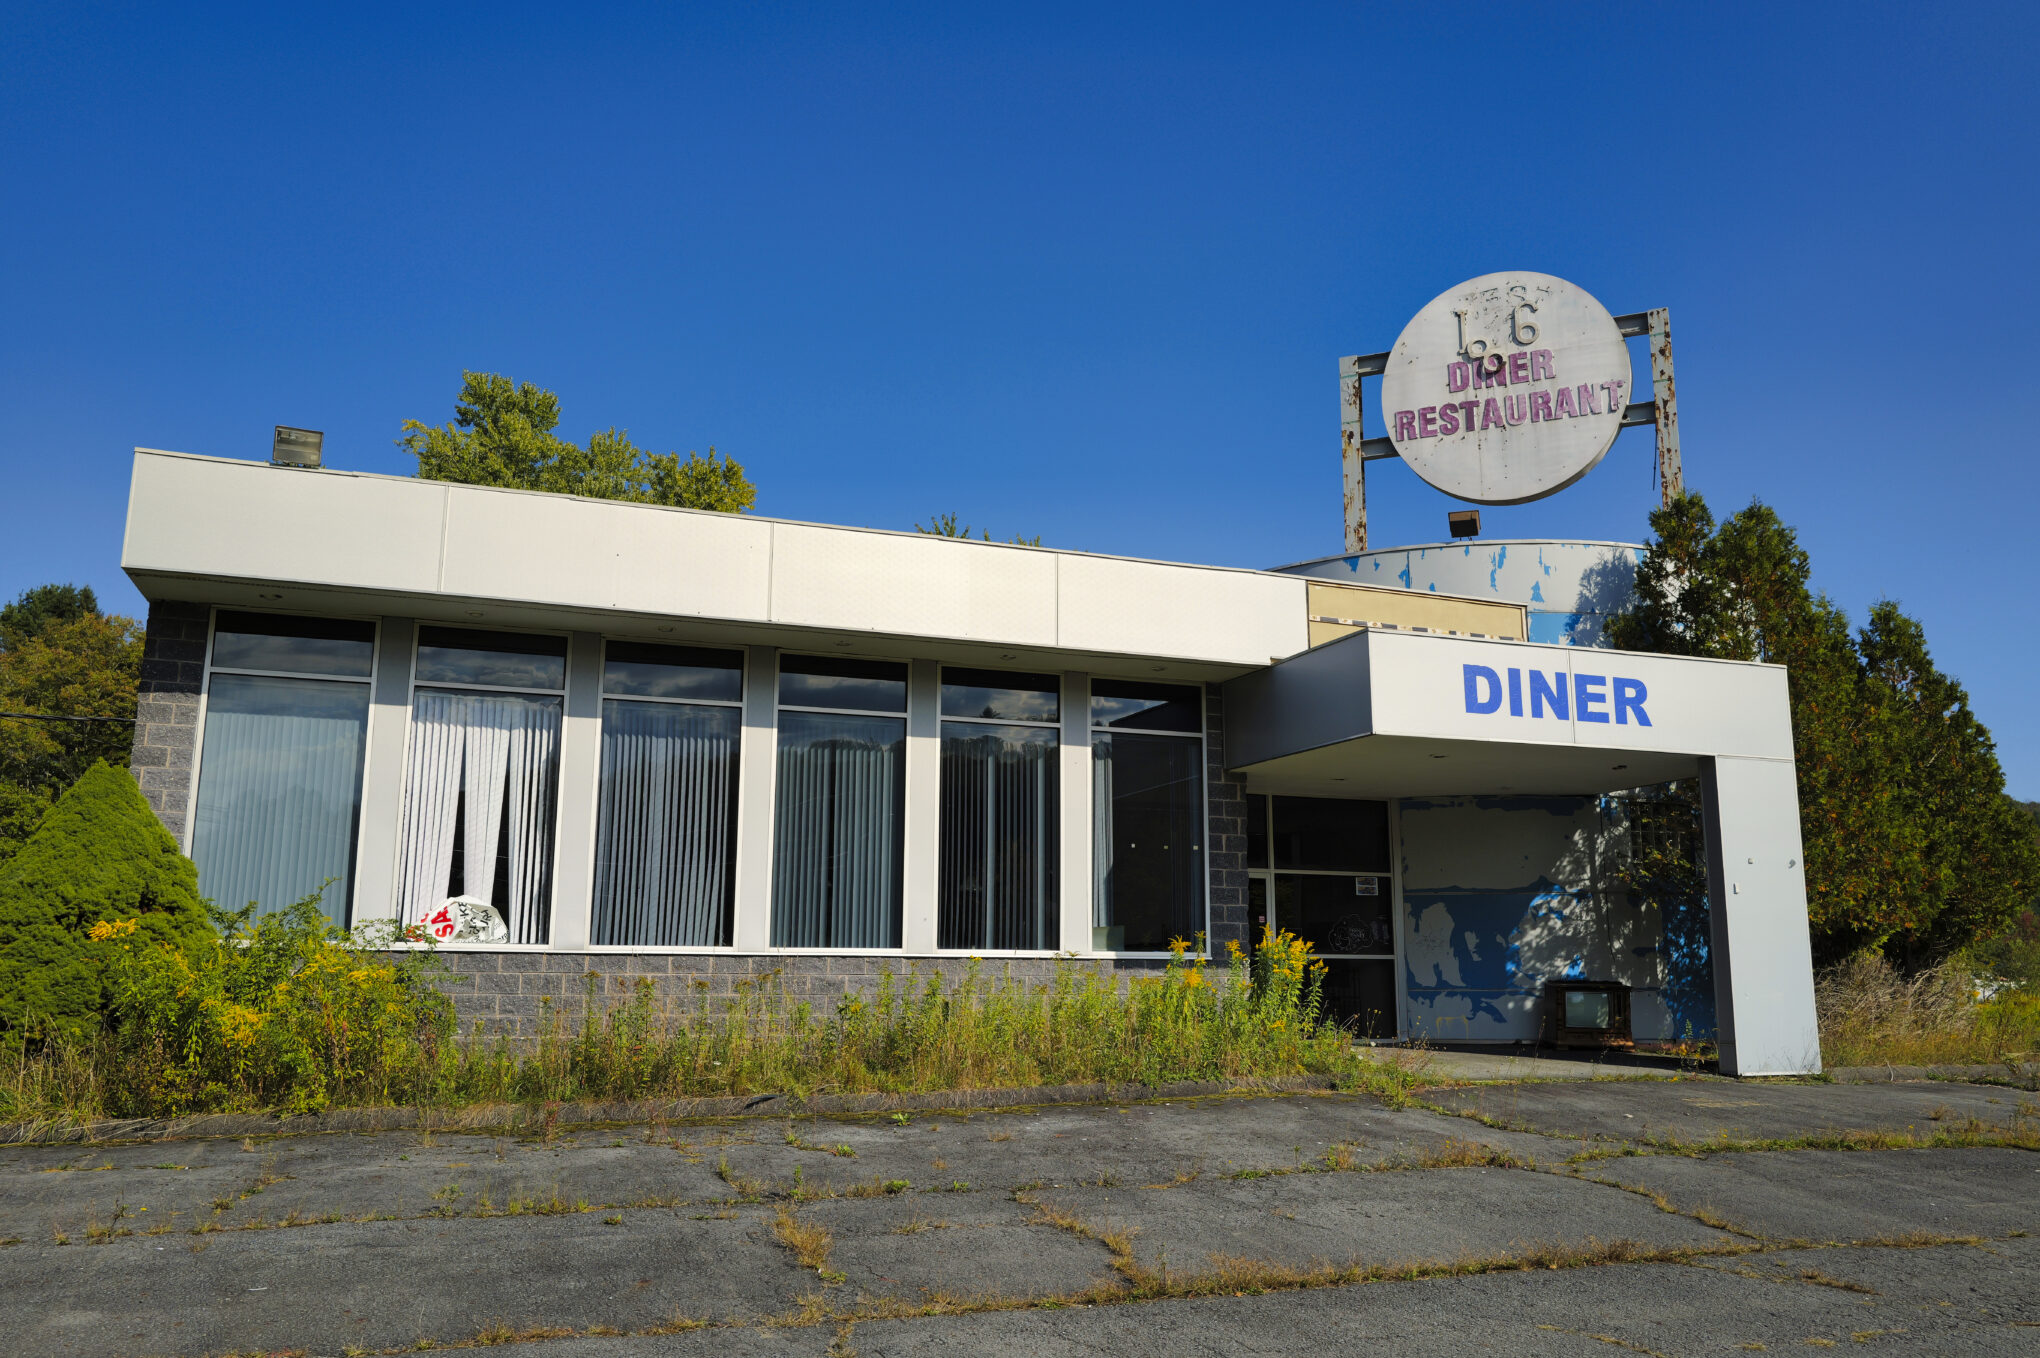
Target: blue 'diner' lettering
1587 698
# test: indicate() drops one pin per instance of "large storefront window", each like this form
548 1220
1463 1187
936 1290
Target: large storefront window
484 773
279 786
666 828
840 803
1325 862
1147 818
999 811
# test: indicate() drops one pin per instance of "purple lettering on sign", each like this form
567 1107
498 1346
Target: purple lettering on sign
1540 365
1489 372
1540 406
1519 367
1448 419
1590 404
1405 425
1427 422
1615 395
1466 420
1562 406
1456 377
1491 415
1517 408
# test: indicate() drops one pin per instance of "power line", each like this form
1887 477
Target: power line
41 716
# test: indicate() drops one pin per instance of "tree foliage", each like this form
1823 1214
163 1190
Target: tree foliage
99 856
946 526
502 435
63 659
1912 848
38 608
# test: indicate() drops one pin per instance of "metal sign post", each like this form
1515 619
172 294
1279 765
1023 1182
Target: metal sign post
1662 411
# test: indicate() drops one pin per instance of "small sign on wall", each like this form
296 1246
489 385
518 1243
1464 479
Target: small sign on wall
1366 886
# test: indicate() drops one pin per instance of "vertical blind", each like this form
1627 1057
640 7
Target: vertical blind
999 837
488 762
665 829
279 791
836 846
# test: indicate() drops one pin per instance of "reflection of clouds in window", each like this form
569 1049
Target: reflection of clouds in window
294 655
446 665
652 670
998 704
673 681
842 690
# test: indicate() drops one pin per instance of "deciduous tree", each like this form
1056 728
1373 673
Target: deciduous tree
502 435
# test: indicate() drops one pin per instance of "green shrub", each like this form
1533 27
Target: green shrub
99 855
280 1011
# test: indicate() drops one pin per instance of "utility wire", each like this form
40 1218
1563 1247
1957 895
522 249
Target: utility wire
39 716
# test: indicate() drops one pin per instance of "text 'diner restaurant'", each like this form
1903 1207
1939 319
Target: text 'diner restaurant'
577 735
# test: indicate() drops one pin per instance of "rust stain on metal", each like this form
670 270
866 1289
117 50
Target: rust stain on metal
1351 457
1664 388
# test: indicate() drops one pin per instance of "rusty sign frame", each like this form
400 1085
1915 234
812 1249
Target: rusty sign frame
1662 410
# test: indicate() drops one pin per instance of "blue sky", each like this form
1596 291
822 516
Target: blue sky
1084 272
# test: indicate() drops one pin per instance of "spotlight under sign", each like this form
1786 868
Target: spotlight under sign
297 447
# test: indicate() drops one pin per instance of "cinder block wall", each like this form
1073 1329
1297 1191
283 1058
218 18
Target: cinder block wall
1225 842
509 993
166 715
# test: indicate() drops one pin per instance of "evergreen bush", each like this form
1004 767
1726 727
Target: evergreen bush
99 855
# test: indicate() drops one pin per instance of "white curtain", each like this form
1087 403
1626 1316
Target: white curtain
665 830
836 846
482 751
279 791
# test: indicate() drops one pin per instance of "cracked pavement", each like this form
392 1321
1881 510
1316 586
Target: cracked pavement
1657 1216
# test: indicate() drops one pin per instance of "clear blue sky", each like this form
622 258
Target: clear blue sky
1081 272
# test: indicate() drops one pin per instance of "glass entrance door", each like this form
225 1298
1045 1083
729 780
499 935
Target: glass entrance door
1321 869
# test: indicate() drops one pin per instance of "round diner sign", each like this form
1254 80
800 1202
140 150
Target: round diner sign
1507 388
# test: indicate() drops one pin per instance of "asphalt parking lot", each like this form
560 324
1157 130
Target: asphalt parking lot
1656 1216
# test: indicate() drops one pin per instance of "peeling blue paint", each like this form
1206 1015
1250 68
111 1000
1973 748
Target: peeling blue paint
1404 576
1536 591
1501 559
1502 894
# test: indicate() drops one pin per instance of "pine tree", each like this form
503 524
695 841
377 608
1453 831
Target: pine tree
1912 848
99 855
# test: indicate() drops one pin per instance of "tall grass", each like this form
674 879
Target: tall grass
287 1013
1871 1015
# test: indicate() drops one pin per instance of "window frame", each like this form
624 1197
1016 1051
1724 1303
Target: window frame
206 671
737 827
771 831
418 626
942 722
1393 895
1092 728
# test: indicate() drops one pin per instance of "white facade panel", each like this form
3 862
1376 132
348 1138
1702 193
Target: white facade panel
1144 608
713 566
201 516
912 585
